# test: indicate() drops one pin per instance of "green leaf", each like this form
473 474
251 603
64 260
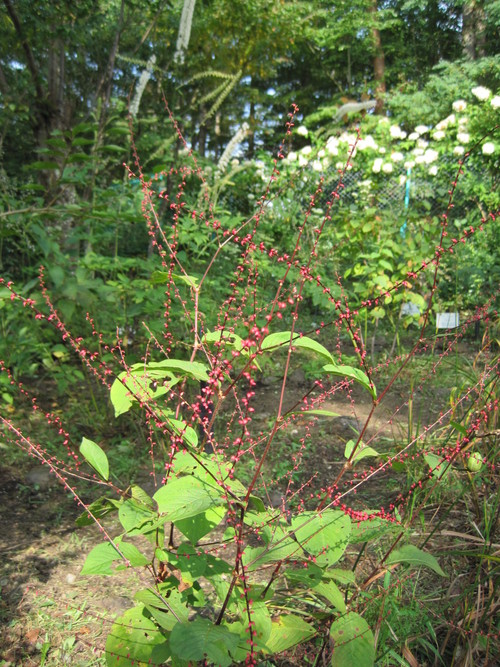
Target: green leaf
196 527
459 427
165 605
139 384
41 165
282 338
344 577
194 564
362 451
353 642
141 496
184 497
352 373
416 557
325 534
202 639
136 518
309 576
100 559
95 457
371 529
319 413
99 508
288 631
135 639
440 467
281 545
330 591
148 382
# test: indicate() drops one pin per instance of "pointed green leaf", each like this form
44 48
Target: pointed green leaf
282 338
353 642
415 557
184 497
440 467
352 373
325 534
288 631
100 559
362 451
459 427
95 457
135 639
196 527
202 639
332 593
98 509
135 517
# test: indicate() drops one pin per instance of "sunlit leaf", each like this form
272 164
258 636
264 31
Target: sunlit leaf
353 374
282 339
414 556
353 642
95 456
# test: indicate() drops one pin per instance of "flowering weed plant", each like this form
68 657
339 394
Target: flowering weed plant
243 566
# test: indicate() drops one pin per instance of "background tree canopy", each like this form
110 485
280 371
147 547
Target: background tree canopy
69 74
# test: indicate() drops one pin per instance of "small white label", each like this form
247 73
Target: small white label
447 320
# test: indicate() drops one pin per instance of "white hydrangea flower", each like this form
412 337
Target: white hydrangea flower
495 102
481 93
463 137
421 129
433 171
421 143
459 106
370 142
377 165
413 136
420 159
430 156
488 148
316 165
418 151
382 150
365 185
397 156
307 150
332 145
326 163
302 160
458 150
403 134
292 156
321 153
443 124
302 130
402 179
387 168
409 164
395 131
438 135
339 165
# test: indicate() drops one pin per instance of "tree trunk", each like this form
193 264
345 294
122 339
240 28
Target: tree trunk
473 30
378 59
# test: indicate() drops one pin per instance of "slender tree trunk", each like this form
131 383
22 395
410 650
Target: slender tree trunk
473 30
378 59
